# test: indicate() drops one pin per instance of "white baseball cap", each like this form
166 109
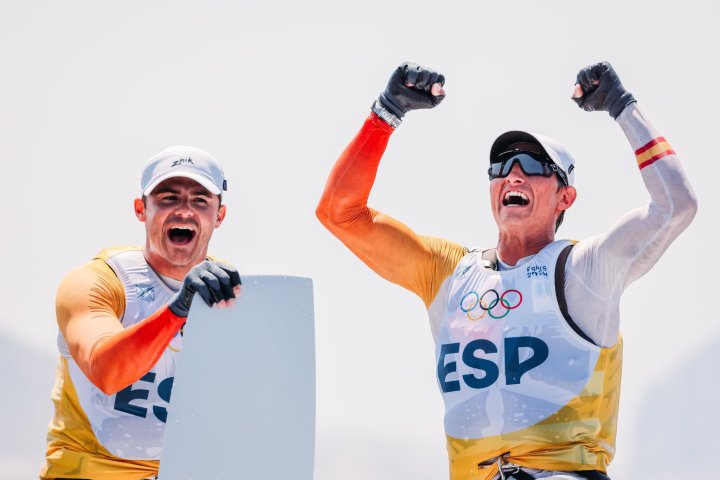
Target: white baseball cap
182 161
557 153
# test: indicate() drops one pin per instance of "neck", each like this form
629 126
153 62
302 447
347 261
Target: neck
163 267
512 246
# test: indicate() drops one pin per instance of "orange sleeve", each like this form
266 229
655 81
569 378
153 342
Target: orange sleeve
386 245
89 304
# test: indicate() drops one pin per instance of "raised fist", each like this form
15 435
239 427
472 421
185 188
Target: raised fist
412 87
601 90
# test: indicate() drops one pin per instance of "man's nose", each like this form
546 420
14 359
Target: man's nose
516 174
184 210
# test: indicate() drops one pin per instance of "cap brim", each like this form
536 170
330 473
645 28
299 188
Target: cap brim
202 180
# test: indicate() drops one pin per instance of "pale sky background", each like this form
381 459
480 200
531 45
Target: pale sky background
275 90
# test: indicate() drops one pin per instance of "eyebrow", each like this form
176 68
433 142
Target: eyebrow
165 190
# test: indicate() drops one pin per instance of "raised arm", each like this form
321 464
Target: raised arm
606 264
644 234
386 245
90 303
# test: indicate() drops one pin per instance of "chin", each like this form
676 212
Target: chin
182 258
516 218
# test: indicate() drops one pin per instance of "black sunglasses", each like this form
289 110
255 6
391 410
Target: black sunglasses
530 163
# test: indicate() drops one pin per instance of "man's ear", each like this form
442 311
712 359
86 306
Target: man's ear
140 209
567 197
220 216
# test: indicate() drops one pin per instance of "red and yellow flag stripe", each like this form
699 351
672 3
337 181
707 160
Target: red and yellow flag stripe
653 151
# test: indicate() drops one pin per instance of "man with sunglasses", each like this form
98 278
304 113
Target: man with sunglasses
527 337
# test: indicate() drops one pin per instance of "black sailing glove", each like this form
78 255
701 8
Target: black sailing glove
213 281
602 90
410 88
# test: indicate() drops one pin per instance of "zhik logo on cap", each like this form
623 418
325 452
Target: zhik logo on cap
181 161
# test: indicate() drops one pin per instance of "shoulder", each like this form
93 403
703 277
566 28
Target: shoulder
445 249
89 274
592 253
108 253
93 284
445 255
443 258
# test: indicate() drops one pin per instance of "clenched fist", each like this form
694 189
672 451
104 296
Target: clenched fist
601 90
412 87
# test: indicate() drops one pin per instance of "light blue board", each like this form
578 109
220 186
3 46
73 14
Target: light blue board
243 399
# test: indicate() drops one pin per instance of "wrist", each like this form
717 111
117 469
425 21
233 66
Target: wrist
177 307
637 129
621 104
386 114
172 317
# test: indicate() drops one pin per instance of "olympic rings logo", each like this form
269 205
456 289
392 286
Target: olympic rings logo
490 303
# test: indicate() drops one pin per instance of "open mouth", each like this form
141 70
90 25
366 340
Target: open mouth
515 199
181 235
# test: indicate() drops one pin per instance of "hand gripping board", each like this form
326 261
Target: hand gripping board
243 399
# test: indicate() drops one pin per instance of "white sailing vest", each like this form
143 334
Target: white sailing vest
507 359
131 423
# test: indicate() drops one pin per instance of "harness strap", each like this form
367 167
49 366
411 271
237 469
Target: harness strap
560 291
521 475
489 258
593 475
507 471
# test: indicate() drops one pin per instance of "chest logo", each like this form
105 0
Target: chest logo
145 292
464 271
536 271
491 302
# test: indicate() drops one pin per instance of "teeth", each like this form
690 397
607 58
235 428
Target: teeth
514 198
189 229
509 195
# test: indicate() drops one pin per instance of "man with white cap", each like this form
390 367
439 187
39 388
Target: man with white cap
528 350
120 318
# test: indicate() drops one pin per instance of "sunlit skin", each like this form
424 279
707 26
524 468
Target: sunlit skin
525 230
179 203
